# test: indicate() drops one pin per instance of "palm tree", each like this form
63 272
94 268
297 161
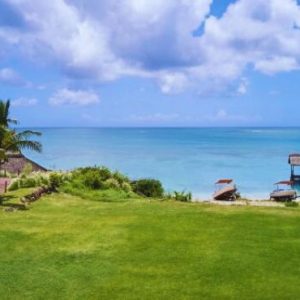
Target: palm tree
10 139
5 120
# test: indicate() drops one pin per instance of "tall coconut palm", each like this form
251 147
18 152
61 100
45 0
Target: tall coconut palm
5 120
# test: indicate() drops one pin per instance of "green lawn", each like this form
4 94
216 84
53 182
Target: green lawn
68 248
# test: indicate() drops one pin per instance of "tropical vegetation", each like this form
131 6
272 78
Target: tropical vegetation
12 140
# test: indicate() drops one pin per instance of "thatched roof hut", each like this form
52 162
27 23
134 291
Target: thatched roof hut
16 162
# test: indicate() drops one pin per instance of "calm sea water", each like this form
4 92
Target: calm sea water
190 159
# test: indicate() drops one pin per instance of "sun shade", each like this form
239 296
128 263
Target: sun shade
224 181
287 182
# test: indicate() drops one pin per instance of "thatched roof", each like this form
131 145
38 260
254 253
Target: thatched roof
16 163
294 159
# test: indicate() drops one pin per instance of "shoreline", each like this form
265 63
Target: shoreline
244 202
204 197
247 202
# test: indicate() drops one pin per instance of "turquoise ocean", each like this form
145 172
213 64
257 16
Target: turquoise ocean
190 159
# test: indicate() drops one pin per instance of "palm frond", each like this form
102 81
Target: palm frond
7 106
23 144
26 134
12 121
4 114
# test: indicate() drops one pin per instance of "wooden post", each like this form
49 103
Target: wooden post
5 187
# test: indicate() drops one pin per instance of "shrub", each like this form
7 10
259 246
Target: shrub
28 183
291 204
183 196
91 177
93 180
126 187
14 185
120 177
148 187
44 180
104 173
55 180
112 183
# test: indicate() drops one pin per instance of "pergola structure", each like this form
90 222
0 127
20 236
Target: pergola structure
294 161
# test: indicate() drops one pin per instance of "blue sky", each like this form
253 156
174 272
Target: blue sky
151 63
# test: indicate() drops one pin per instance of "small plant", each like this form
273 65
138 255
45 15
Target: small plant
126 187
15 185
291 204
182 196
28 183
112 183
93 180
120 177
55 180
104 173
148 187
43 180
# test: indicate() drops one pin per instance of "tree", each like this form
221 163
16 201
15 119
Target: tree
5 120
10 139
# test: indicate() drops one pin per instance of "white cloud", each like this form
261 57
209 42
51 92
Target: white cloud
171 83
74 97
9 76
109 39
277 64
243 87
259 33
24 102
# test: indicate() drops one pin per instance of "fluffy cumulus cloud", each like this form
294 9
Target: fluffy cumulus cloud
74 97
109 39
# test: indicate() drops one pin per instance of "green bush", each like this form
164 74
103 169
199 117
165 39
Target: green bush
104 173
43 180
14 185
55 180
148 187
126 187
112 183
291 204
28 183
120 177
92 180
92 177
182 196
101 178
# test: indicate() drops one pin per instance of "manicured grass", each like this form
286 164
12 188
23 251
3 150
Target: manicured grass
68 248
